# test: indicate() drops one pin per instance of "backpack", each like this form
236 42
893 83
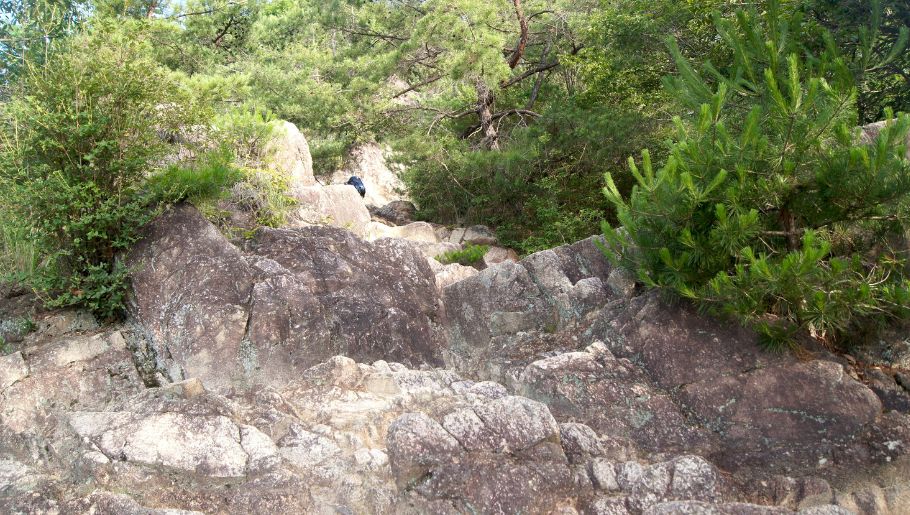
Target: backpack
358 184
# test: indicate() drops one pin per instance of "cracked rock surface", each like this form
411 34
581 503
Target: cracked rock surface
313 372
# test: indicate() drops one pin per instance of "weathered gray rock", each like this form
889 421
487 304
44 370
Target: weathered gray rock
418 444
397 212
478 235
501 457
294 298
190 290
772 403
888 388
613 396
12 369
321 291
213 445
121 504
474 235
498 319
704 508
80 372
337 205
497 255
420 232
622 283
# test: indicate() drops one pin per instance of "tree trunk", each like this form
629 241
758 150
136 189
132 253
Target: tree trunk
519 51
788 220
490 139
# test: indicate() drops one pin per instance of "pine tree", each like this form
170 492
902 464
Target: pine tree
769 208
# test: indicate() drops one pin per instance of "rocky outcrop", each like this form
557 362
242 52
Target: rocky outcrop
567 389
290 299
565 328
397 212
289 153
335 205
341 436
512 311
368 161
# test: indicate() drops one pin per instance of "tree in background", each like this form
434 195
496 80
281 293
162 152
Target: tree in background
873 36
29 29
769 207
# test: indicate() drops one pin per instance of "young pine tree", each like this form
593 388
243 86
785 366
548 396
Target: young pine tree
769 208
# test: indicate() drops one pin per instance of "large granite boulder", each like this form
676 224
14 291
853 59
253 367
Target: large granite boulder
368 161
289 153
190 296
290 299
336 205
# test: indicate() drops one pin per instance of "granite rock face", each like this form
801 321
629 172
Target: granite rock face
241 385
291 298
381 179
289 153
83 433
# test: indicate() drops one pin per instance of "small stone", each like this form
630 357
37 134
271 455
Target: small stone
621 283
604 473
610 506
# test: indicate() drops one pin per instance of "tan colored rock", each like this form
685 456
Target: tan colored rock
211 445
447 275
335 205
61 374
368 161
12 369
289 153
84 349
497 255
416 231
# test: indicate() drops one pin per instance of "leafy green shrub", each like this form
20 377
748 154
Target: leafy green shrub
81 133
209 177
246 131
468 256
18 254
768 207
265 193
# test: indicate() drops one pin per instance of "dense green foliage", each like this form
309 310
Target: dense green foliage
79 137
468 256
769 206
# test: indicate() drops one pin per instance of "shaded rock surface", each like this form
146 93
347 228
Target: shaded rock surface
290 299
397 212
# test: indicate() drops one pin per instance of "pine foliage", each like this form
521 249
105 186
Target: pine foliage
769 206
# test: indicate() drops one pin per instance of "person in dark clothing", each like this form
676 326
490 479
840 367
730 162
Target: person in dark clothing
358 184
